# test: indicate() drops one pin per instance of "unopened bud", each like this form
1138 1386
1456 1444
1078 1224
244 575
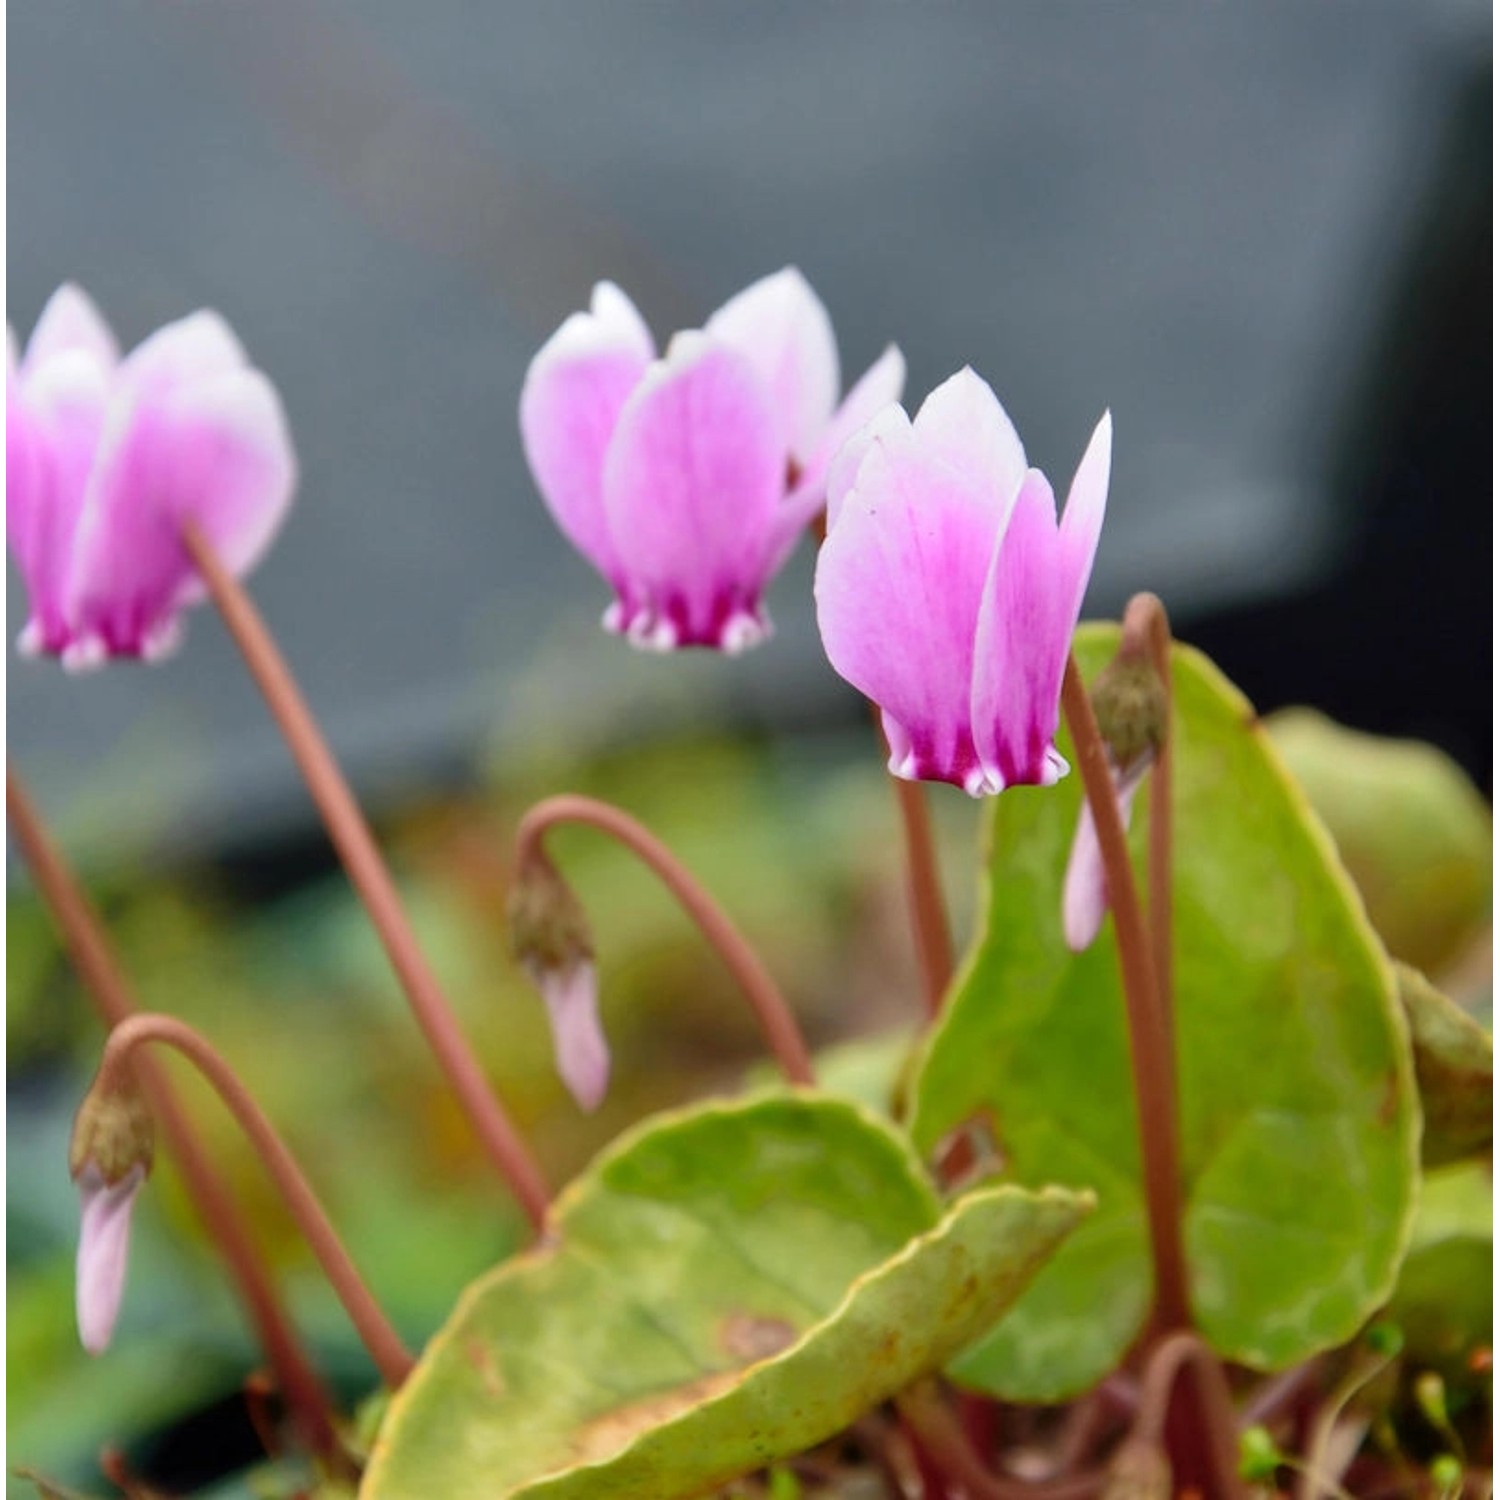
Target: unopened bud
1130 703
549 929
550 939
112 1132
109 1158
1140 1470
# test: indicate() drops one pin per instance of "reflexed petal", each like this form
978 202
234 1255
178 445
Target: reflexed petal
1022 644
891 425
53 422
193 348
692 481
963 424
1083 519
571 995
898 590
70 323
876 394
783 329
1085 889
575 389
217 452
103 1246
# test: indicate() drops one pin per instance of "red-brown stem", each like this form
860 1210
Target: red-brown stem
105 983
924 886
771 1010
943 1439
372 879
1151 1060
1146 617
375 1332
1167 1360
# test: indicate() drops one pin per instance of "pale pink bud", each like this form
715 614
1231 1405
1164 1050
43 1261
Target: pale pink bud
948 589
108 458
571 995
1085 891
686 479
103 1243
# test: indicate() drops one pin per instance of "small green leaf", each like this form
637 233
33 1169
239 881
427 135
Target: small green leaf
1444 1299
1455 1058
1410 826
1299 1124
725 1287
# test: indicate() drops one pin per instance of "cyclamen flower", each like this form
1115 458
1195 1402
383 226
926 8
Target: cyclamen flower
687 479
948 590
107 458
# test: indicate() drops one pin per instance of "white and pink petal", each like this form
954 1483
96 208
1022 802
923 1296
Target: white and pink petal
692 481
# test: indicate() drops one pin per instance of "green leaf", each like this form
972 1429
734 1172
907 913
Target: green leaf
1298 1116
1444 1300
1455 1059
1410 826
727 1286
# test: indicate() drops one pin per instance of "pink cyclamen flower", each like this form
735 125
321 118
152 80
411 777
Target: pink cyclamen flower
948 590
1085 890
687 479
103 1245
106 458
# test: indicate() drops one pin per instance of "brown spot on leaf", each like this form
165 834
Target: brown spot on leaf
608 1434
482 1358
749 1339
1390 1098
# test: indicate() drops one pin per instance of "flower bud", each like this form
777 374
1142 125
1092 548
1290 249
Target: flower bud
1130 703
550 938
109 1158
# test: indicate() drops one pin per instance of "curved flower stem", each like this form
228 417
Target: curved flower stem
371 878
1167 1360
102 978
771 1010
1150 1057
384 1345
942 1437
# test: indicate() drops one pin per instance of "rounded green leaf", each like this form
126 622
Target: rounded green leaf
727 1286
1298 1121
1410 826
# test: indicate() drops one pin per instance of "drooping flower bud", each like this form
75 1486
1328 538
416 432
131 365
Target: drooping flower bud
109 1158
1130 704
550 938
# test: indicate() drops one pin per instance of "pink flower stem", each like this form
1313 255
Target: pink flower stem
771 1010
924 890
372 879
1146 616
1150 1055
941 1435
1179 1350
104 981
384 1345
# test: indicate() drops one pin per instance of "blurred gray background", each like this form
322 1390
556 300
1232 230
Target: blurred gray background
1256 231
